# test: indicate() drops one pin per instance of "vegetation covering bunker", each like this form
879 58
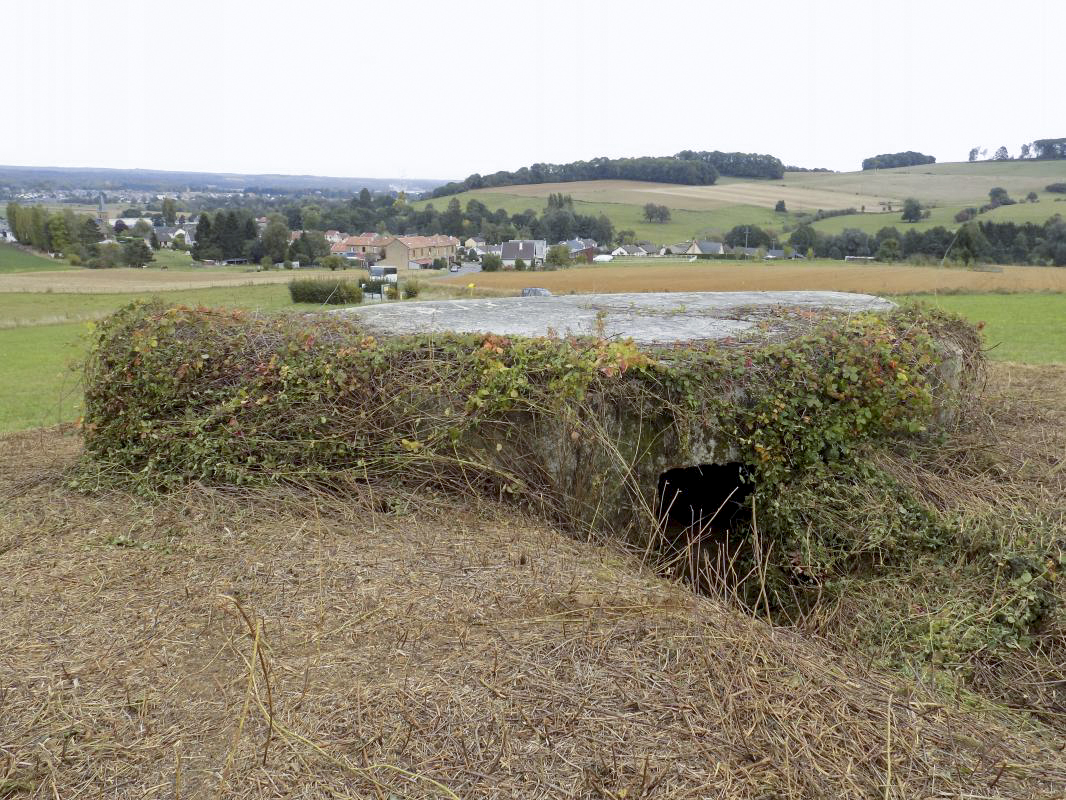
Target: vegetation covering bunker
635 460
588 409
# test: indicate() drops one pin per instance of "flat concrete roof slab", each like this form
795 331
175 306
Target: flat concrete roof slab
649 318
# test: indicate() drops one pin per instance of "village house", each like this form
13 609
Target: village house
364 247
630 250
531 251
581 248
419 252
473 242
167 235
705 248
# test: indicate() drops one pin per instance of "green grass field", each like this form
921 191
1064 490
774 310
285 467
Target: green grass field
30 309
1030 328
1048 206
43 336
12 259
38 383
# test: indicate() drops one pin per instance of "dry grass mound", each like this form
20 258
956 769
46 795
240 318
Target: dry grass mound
281 643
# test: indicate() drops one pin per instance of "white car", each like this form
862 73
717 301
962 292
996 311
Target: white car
602 259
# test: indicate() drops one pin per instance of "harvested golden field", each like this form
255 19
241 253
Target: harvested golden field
733 276
698 198
268 644
141 280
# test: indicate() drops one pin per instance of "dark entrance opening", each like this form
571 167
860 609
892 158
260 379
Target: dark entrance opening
705 522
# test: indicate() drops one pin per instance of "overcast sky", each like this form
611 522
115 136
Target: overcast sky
441 89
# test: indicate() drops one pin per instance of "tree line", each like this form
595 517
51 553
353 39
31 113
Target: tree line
556 221
988 242
739 165
664 169
1038 150
908 158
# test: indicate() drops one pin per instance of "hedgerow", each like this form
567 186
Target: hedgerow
331 291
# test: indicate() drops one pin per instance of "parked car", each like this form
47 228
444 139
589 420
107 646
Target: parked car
453 268
535 292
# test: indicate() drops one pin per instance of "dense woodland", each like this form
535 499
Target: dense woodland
665 169
910 158
687 167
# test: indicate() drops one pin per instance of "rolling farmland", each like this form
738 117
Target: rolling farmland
709 210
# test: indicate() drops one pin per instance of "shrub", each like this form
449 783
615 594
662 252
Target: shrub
374 286
966 214
325 290
334 263
1056 188
411 290
491 262
519 265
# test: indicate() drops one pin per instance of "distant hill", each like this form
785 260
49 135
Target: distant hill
714 210
167 180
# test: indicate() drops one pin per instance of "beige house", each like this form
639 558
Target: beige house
418 252
363 246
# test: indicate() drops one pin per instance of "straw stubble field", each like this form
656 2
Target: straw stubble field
281 643
651 275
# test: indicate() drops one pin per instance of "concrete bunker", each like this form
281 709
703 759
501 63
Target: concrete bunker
693 482
705 521
706 497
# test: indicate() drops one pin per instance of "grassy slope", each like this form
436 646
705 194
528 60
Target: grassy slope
12 259
709 210
957 184
684 223
1048 206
